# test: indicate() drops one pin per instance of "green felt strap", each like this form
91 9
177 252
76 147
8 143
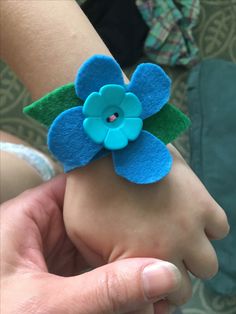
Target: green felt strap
167 124
46 109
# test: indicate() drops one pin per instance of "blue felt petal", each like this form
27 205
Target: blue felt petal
132 127
101 154
152 86
144 161
95 129
94 105
68 141
113 94
96 72
131 106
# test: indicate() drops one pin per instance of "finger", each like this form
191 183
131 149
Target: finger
120 287
149 309
162 307
32 211
184 293
201 259
217 226
53 190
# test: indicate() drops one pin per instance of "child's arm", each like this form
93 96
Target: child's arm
45 42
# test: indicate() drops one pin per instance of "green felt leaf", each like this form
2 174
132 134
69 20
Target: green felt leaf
167 124
47 108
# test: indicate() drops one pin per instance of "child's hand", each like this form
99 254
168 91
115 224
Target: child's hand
109 218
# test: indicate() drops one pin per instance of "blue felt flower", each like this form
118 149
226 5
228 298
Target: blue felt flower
110 121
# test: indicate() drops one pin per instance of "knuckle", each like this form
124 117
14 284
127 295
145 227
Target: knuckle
221 226
209 209
223 223
114 293
217 221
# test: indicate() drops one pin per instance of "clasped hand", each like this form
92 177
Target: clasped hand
41 269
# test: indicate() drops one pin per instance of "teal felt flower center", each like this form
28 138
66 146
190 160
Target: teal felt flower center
112 117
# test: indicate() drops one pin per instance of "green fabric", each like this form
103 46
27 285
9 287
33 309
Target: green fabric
47 108
212 106
170 40
167 124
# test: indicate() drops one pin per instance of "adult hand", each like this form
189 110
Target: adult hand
41 269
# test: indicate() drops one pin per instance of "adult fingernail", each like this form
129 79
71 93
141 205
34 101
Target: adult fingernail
159 279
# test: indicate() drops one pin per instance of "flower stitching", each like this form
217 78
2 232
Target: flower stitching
110 121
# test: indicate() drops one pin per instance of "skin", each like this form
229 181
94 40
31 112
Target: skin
39 270
12 167
177 203
50 48
109 219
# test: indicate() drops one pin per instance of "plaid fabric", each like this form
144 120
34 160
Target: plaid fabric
170 40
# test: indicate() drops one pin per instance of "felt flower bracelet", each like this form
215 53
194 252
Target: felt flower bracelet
99 115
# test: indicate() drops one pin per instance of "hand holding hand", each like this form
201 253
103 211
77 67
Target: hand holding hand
40 267
110 219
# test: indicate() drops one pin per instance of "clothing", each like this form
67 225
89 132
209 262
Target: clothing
212 107
170 40
36 159
120 25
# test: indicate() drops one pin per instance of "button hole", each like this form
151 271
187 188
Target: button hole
113 117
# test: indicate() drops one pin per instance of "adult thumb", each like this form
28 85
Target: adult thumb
120 287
